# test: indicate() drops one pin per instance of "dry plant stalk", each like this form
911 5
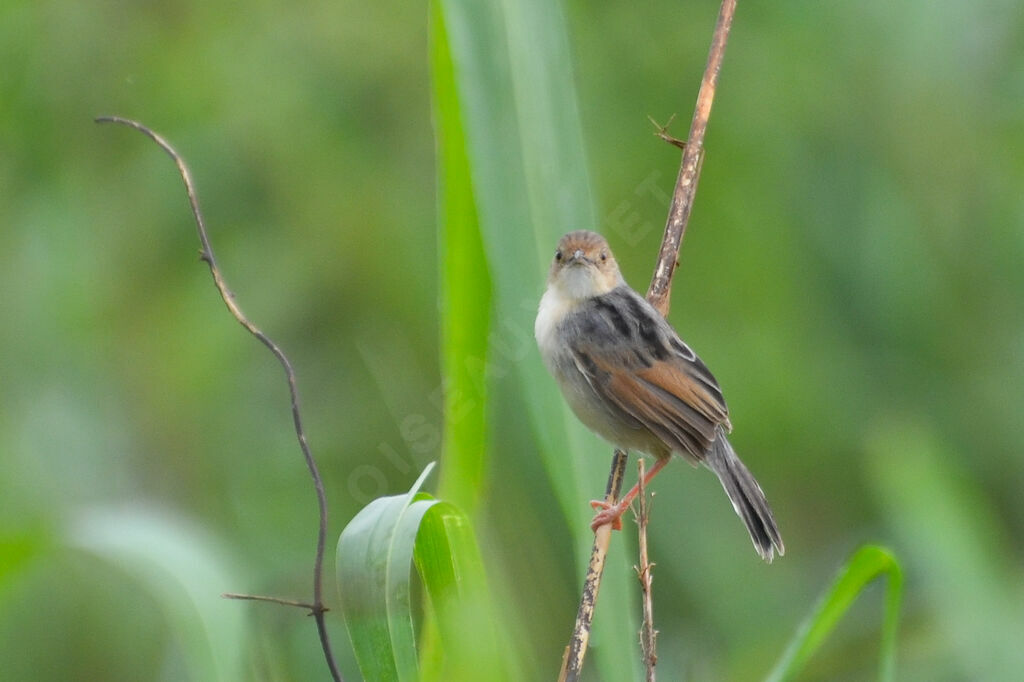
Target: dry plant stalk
316 608
572 661
648 635
658 294
689 168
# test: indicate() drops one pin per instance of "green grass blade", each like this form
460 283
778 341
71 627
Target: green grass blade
465 290
180 567
867 564
514 88
957 544
373 567
522 211
17 551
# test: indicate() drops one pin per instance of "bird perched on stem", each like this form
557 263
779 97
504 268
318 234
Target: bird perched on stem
629 378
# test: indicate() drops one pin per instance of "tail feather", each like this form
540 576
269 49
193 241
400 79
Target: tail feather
747 497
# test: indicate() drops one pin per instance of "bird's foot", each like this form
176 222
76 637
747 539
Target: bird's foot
610 513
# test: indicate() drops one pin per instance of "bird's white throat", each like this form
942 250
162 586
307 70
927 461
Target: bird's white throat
554 306
566 290
579 282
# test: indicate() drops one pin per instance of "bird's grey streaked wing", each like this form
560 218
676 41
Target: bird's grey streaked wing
636 363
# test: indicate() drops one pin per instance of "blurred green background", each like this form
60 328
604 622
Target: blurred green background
852 274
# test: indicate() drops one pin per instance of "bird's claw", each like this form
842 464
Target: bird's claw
610 513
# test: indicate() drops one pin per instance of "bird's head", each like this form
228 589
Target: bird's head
584 266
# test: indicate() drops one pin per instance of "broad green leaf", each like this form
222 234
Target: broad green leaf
180 567
376 553
867 564
374 557
465 291
516 102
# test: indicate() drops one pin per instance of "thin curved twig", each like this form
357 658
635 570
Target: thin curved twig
316 609
658 295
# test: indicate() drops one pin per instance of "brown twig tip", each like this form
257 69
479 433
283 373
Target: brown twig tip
316 608
689 166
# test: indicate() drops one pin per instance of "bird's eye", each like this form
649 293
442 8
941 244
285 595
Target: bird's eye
558 255
604 255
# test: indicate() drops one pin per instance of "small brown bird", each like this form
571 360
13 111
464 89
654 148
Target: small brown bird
629 378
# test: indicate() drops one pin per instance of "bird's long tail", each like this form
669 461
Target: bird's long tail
747 497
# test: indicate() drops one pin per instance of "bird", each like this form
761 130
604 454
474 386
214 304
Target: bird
630 378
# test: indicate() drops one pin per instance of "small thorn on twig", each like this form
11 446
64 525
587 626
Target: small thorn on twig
661 131
312 608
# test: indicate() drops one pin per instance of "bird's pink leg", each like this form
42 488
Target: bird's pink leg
612 513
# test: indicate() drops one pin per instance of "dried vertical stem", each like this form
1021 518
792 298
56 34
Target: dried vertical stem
572 663
648 635
316 608
689 168
658 295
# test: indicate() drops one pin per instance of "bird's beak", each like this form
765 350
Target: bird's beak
578 258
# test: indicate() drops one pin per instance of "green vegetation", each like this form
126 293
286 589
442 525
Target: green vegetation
375 552
851 274
867 564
